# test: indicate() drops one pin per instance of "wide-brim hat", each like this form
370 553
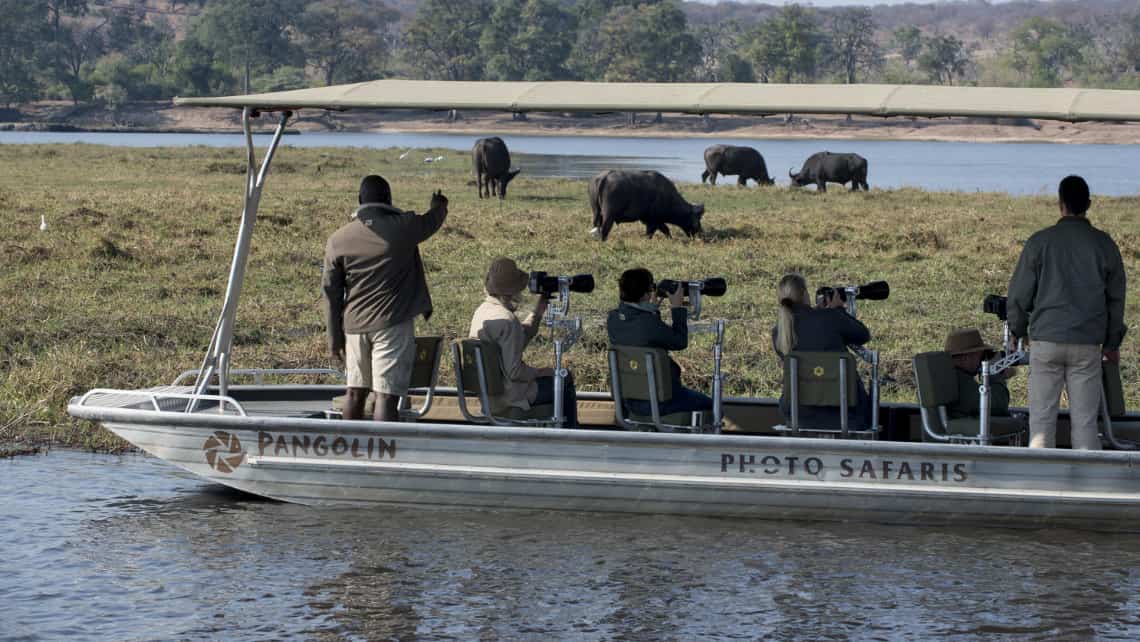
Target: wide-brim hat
966 341
504 278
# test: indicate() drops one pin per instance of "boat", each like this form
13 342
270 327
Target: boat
285 441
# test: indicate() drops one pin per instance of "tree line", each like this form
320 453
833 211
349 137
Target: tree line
111 52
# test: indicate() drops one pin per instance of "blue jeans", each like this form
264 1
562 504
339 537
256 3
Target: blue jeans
684 400
545 395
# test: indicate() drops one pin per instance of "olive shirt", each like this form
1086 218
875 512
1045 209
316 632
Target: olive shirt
1069 287
373 274
969 399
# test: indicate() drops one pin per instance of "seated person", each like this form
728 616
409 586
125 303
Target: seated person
495 321
968 351
826 328
637 322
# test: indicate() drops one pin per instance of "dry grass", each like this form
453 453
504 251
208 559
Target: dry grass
124 287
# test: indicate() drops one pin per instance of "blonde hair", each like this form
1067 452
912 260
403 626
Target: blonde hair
792 290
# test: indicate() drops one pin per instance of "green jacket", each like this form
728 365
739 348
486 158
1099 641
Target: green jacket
969 398
1069 286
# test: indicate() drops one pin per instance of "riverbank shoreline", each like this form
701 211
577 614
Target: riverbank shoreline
164 117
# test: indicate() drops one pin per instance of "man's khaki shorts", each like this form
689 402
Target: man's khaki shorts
383 360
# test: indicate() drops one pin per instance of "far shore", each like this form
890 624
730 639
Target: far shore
164 117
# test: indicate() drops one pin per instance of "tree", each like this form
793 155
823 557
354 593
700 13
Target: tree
20 31
78 45
248 34
648 43
909 40
442 42
944 58
720 62
528 40
853 41
546 39
587 59
343 39
1043 49
788 46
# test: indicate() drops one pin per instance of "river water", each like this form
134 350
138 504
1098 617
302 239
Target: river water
1015 168
130 548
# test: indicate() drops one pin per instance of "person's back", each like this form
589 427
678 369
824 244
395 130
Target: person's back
1067 296
384 276
374 286
825 330
637 322
828 328
1077 268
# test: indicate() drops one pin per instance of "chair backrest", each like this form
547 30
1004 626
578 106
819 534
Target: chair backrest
935 378
818 377
426 369
492 366
631 370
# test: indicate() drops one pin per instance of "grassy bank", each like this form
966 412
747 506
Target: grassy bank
123 288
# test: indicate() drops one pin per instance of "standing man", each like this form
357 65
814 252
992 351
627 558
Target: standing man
375 286
1067 297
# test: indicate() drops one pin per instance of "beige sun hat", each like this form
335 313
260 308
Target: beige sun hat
504 278
965 341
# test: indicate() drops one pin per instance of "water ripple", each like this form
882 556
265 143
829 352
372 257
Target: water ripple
130 548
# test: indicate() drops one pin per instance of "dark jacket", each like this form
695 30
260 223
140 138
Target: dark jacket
969 398
828 330
825 330
373 275
1069 286
630 325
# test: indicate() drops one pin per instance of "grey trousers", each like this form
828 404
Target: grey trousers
1077 368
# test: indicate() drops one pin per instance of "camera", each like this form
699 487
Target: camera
712 286
873 291
996 305
547 285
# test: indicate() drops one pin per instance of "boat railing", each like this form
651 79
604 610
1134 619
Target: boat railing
259 374
159 400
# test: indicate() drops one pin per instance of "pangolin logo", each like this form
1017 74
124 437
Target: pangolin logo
223 452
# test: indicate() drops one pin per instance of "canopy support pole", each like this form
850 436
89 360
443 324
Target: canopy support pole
217 360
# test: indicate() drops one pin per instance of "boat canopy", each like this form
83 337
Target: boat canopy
702 98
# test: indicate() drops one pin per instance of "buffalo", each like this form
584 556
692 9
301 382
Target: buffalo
492 166
822 168
730 160
619 196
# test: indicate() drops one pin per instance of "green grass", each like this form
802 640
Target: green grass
124 287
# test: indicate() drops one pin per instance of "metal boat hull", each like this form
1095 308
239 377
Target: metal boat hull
331 462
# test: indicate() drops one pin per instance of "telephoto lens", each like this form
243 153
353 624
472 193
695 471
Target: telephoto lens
665 287
547 285
995 304
873 291
714 286
541 283
582 283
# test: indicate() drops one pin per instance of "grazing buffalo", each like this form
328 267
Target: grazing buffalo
492 166
619 196
730 160
824 167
